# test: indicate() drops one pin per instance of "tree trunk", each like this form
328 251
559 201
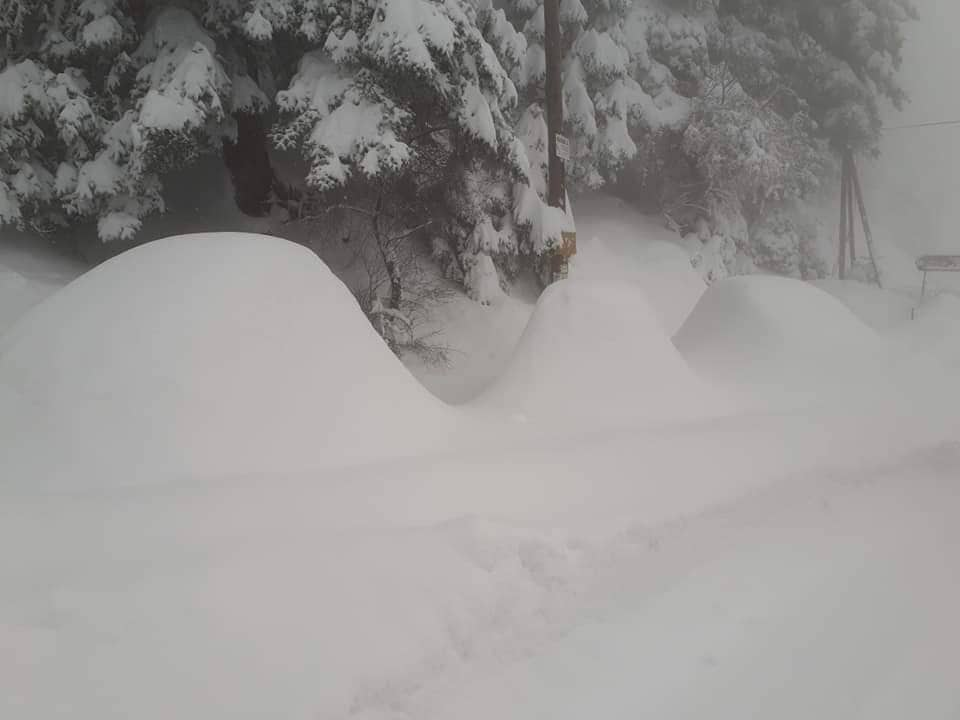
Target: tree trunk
388 253
248 162
138 11
396 284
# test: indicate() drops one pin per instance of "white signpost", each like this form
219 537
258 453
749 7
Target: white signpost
562 147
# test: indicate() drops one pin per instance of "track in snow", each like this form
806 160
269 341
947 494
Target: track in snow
834 597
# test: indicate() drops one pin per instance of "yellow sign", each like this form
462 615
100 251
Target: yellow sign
560 258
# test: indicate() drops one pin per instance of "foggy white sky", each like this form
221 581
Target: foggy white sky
914 190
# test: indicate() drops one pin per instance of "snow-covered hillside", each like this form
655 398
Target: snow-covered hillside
614 527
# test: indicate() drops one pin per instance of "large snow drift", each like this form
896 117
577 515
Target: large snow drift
880 309
202 354
770 332
936 329
596 354
616 242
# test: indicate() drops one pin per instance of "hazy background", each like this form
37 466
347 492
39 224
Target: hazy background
913 191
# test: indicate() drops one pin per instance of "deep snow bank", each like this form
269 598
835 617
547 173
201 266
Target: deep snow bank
774 333
595 354
936 329
880 309
212 353
617 242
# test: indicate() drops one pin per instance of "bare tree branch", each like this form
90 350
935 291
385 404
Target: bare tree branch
411 231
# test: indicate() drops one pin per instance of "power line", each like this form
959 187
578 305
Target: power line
939 123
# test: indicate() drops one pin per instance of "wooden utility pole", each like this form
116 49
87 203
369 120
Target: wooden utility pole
842 244
558 148
865 221
556 195
851 193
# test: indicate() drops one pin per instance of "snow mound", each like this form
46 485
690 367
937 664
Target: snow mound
617 242
202 354
775 332
936 329
595 354
660 269
879 308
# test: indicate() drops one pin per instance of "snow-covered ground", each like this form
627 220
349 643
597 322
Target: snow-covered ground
833 597
623 521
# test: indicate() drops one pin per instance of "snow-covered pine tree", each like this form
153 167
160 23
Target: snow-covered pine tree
625 66
594 68
788 81
398 102
100 98
749 163
834 59
59 66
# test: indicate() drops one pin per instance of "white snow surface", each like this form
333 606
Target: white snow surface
882 310
597 354
785 560
618 243
615 244
936 329
202 355
776 334
833 598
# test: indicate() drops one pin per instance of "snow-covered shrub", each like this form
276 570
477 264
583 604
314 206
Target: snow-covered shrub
776 246
477 219
747 153
482 280
713 251
371 250
709 258
447 258
788 241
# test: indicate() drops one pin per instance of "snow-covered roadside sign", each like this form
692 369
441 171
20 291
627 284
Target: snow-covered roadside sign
938 263
934 263
562 145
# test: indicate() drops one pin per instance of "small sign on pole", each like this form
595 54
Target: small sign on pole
939 263
562 255
562 147
934 263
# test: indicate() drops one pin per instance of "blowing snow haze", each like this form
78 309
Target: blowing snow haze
915 183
